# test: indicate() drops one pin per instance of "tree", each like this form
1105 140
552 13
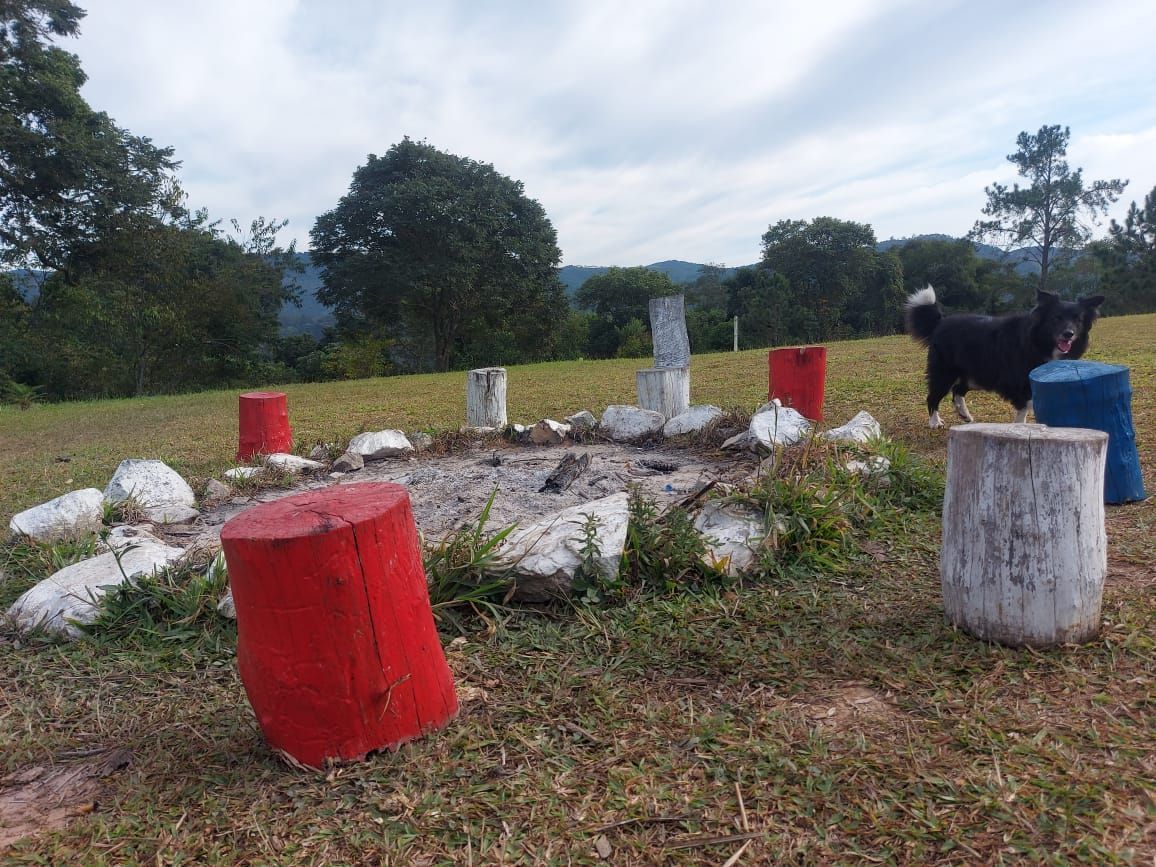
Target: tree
707 291
763 302
618 298
437 249
1052 216
159 307
877 308
1128 257
67 172
828 263
622 294
948 264
15 349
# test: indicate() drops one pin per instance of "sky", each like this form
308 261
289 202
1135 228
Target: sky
647 130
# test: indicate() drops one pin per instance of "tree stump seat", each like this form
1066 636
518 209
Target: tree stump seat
336 643
1089 394
263 424
1024 550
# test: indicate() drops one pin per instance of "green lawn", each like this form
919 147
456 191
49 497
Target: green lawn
832 714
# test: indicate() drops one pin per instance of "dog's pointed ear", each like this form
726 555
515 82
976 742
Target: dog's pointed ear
1045 297
1091 302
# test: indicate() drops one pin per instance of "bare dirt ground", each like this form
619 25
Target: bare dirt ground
449 492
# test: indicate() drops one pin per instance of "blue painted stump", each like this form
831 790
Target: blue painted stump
1088 394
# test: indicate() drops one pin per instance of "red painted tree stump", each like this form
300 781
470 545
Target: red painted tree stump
263 424
798 376
336 643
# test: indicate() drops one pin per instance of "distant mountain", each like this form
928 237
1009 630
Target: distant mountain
680 273
1022 260
312 317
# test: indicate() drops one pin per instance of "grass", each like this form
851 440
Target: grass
832 712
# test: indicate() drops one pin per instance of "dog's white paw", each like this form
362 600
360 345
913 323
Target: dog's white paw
935 421
961 409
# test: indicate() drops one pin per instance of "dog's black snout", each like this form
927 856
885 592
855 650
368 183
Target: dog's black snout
1067 334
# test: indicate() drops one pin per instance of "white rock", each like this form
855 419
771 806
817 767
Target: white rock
226 606
124 535
775 425
420 440
292 463
548 432
692 421
545 556
861 429
172 514
66 517
164 497
873 466
72 595
215 492
738 441
381 444
732 533
583 420
348 463
242 473
623 423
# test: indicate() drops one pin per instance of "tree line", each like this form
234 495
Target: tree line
433 261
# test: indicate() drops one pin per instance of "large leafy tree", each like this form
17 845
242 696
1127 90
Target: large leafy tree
1052 216
441 251
763 302
1128 257
835 273
162 307
67 173
619 298
949 264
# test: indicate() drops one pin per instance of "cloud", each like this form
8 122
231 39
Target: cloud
648 131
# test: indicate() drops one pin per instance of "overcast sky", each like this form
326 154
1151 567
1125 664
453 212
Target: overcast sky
647 130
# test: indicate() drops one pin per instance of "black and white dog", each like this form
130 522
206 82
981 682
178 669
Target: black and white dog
995 353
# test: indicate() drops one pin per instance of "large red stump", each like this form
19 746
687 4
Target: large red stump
797 377
336 643
263 422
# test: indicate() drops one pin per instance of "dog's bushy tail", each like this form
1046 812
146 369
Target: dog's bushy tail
922 314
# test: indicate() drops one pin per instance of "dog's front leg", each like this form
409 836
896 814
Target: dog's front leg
961 408
1022 413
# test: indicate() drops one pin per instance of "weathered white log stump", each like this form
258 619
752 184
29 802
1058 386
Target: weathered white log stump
486 397
668 331
1024 549
665 390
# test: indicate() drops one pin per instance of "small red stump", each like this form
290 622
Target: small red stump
336 643
263 423
797 377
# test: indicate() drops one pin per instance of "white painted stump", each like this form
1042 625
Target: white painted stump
486 397
665 390
668 331
1024 549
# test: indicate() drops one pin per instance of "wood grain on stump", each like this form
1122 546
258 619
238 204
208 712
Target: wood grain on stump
1024 549
486 397
263 424
336 643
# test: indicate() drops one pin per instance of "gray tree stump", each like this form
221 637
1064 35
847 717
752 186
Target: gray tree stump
486 397
665 390
668 330
1024 549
